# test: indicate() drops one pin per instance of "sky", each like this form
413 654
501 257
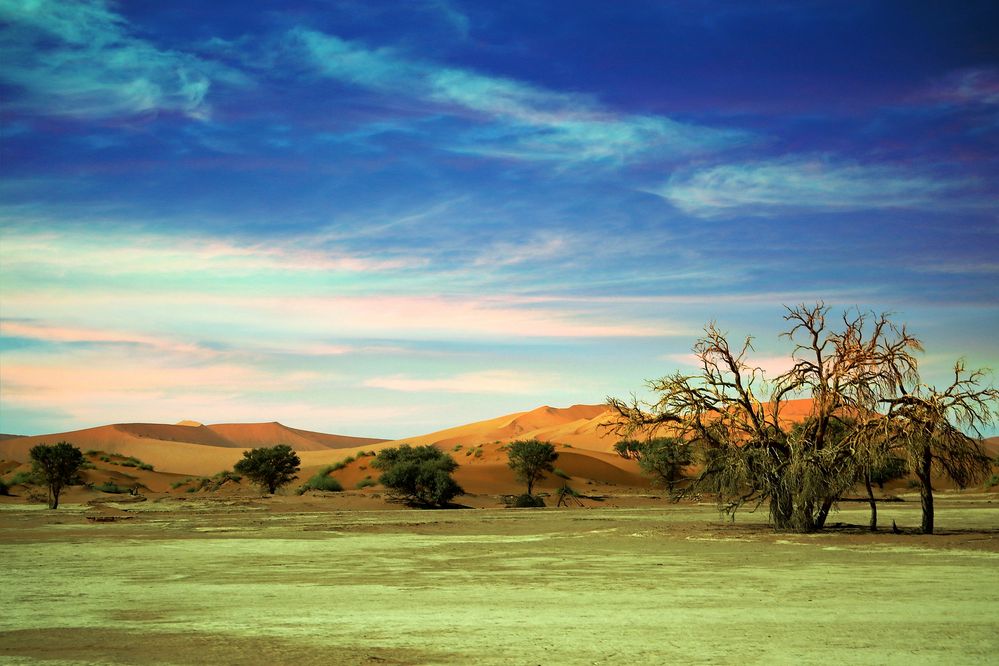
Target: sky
382 218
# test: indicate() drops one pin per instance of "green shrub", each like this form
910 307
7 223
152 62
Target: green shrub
418 475
192 489
88 465
91 452
321 482
560 473
526 501
109 487
128 463
478 452
106 459
21 479
992 481
219 480
177 484
146 466
457 447
366 482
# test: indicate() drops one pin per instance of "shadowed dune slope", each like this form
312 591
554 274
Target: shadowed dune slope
251 435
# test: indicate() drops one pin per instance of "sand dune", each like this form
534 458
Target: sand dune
580 433
252 435
580 426
200 450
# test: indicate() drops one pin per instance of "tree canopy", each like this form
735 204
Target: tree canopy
531 459
419 475
660 458
55 465
270 467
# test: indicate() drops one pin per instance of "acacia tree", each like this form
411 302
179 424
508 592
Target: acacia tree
419 475
270 467
732 413
662 458
55 465
531 459
929 428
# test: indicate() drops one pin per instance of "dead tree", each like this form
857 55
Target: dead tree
732 414
930 429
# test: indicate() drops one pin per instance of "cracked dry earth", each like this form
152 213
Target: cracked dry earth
228 583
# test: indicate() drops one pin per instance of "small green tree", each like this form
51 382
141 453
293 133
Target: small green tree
531 459
270 468
55 465
419 475
663 459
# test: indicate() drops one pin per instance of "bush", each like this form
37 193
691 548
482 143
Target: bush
21 479
526 501
219 480
271 467
321 482
177 484
109 487
366 482
992 481
418 475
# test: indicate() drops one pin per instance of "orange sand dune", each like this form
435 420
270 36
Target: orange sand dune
183 449
579 426
252 435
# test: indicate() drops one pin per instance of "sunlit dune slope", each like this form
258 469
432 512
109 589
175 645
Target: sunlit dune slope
581 426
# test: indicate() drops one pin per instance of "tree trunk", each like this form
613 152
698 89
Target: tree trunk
53 497
870 498
781 511
803 519
820 520
926 489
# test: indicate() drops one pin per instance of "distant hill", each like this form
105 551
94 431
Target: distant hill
188 449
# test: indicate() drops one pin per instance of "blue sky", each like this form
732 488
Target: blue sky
386 218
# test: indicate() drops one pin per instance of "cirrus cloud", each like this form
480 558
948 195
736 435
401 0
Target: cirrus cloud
800 183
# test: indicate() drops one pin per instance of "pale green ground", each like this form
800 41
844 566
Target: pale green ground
600 586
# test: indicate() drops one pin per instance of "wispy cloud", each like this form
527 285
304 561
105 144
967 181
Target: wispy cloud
796 183
488 381
543 246
523 121
119 252
968 86
92 66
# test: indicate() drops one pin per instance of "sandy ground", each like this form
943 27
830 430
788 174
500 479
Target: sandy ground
245 580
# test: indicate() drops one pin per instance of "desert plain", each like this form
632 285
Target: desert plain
183 572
